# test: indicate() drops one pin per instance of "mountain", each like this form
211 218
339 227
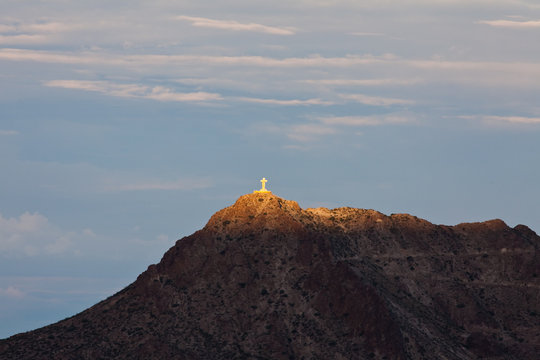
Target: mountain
265 279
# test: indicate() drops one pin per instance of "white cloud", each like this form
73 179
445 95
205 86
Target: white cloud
236 26
8 132
26 223
123 90
512 23
376 100
31 235
159 93
163 94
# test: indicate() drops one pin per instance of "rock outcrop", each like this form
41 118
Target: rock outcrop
265 279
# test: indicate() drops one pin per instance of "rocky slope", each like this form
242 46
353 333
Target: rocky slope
265 279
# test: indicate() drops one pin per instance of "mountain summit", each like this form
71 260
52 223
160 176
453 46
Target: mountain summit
265 279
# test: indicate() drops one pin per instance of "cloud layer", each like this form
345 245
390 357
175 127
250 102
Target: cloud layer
235 25
32 235
512 23
159 93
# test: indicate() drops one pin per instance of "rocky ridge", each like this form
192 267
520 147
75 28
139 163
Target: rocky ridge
265 279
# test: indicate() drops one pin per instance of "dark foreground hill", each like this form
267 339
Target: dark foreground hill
265 279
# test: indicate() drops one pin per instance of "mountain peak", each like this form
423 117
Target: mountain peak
256 210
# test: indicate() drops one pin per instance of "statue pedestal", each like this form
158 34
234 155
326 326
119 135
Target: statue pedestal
262 191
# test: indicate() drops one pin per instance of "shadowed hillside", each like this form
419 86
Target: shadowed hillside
265 279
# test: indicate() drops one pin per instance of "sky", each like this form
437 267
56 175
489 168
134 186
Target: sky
124 125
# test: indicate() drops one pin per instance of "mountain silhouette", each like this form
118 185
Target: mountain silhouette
265 279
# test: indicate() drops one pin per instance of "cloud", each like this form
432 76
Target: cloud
304 133
47 27
8 132
122 90
6 28
159 93
292 102
523 120
365 82
373 120
367 34
236 26
100 58
308 132
512 23
514 119
37 27
11 292
474 73
23 39
18 33
180 184
163 94
31 235
330 125
376 100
